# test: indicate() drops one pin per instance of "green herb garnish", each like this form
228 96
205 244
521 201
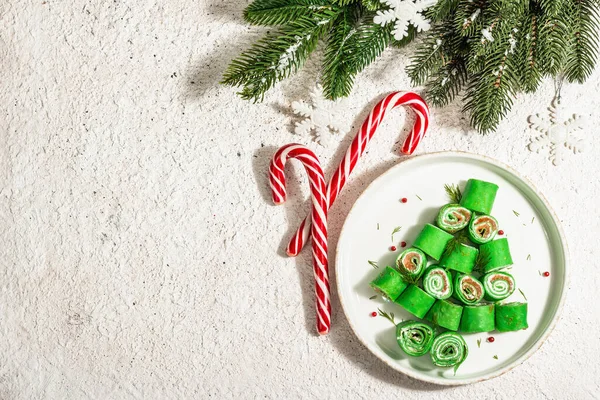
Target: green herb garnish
389 317
532 219
454 193
373 264
419 197
523 294
378 226
481 262
528 257
479 343
495 357
516 213
373 297
396 230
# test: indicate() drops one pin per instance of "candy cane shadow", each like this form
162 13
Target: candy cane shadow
295 208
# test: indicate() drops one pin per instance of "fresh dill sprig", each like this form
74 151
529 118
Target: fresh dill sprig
373 297
532 219
389 317
481 262
528 257
495 357
479 343
419 197
453 192
396 230
373 264
516 213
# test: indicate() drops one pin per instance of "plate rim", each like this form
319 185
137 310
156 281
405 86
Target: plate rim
565 286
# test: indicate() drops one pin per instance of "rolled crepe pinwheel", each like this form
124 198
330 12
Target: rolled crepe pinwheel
459 257
445 314
415 301
432 240
411 264
511 317
479 196
468 289
389 284
437 282
414 338
478 318
448 349
453 217
482 229
498 285
496 255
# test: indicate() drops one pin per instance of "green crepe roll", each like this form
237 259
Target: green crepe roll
453 217
483 229
468 289
411 263
432 240
445 314
437 282
448 349
498 285
459 257
415 301
511 317
479 196
496 255
414 338
478 318
389 284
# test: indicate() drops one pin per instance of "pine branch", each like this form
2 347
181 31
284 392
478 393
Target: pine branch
584 36
528 53
367 43
491 91
429 56
337 76
277 55
445 84
442 10
279 12
552 8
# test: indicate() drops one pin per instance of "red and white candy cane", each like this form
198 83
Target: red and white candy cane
358 146
319 220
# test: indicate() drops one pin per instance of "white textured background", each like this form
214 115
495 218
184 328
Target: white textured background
140 256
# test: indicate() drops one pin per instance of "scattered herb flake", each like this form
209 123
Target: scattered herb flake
373 264
389 317
540 272
396 230
495 357
528 257
453 192
373 297
478 342
378 226
532 219
516 213
419 197
523 294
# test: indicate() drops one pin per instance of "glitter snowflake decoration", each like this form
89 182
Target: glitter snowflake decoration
558 135
404 13
320 116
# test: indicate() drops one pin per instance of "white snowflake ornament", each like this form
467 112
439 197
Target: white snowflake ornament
321 116
404 13
558 135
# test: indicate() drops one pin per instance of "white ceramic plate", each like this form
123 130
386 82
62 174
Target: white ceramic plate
535 238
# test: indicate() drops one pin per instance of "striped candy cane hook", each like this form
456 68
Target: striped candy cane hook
358 146
319 220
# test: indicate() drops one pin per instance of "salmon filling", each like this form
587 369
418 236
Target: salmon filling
485 226
411 261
